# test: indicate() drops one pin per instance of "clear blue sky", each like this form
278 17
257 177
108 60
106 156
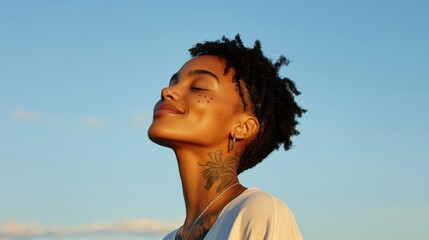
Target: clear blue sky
78 80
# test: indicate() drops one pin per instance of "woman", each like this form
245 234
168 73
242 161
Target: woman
223 112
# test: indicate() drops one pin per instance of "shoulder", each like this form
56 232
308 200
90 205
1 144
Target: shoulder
255 203
257 215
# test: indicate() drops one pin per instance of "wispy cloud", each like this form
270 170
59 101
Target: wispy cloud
93 121
13 229
26 115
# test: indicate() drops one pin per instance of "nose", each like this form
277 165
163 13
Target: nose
169 93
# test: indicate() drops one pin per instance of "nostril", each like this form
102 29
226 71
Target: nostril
166 93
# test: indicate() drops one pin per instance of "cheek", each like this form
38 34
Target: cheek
202 98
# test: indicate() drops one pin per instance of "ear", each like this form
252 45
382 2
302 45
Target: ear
249 125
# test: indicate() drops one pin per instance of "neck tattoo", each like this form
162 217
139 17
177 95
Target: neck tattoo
205 209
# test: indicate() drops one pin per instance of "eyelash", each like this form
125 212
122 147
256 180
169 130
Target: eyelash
198 89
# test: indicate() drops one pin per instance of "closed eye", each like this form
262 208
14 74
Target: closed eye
198 89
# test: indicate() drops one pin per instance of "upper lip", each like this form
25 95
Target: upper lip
168 107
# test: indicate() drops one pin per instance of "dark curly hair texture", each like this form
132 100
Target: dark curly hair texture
271 96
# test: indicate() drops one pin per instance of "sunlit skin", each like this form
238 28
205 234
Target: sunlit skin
199 114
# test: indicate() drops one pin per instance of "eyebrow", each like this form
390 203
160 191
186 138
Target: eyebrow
203 72
174 78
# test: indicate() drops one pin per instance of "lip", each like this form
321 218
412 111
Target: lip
166 108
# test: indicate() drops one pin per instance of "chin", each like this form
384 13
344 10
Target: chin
154 135
160 136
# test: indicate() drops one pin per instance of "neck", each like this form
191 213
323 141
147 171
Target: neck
205 175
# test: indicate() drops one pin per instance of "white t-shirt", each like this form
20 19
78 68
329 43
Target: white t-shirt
253 215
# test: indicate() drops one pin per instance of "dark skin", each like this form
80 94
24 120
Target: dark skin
197 117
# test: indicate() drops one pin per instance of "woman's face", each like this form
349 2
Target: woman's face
198 107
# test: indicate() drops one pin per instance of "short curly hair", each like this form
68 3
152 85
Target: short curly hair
271 96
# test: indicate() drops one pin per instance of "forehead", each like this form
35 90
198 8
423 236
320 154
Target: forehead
213 64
